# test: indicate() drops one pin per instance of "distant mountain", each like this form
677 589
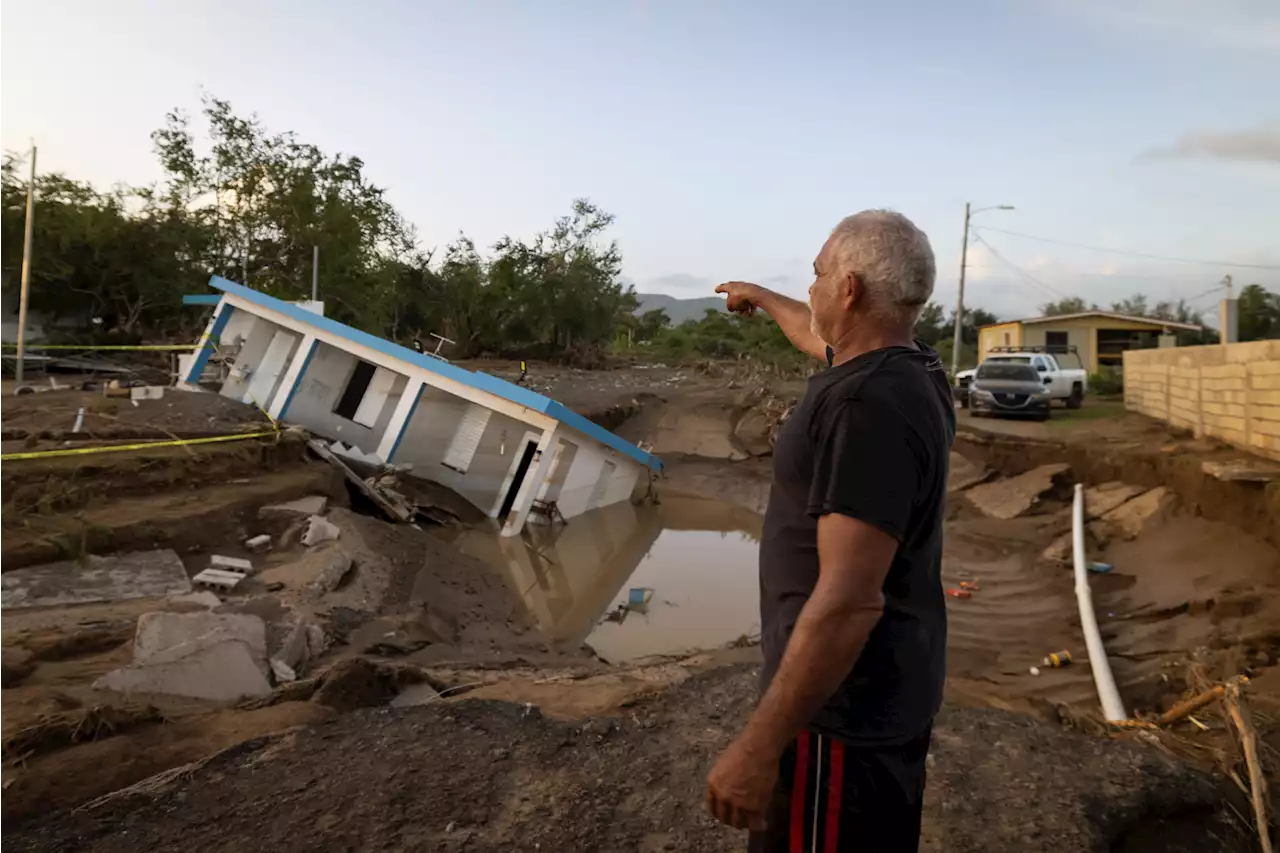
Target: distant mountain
679 310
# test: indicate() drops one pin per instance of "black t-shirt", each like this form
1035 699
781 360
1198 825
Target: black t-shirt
870 440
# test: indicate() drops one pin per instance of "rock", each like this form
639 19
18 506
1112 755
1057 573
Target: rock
1101 499
1014 496
261 542
221 672
333 573
319 530
1132 516
310 505
304 642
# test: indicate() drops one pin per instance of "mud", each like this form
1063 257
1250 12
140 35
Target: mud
620 767
633 780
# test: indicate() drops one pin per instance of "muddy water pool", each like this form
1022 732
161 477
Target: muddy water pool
634 581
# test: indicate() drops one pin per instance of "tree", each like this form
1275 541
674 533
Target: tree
1258 313
1066 305
930 326
651 324
1135 306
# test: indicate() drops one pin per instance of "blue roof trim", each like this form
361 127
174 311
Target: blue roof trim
480 381
200 298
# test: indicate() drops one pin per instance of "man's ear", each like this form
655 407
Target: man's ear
853 290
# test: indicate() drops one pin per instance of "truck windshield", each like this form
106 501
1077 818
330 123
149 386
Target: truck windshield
1020 371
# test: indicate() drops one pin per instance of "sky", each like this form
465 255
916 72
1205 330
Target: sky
728 138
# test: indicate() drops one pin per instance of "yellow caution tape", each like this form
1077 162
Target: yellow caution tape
118 448
115 347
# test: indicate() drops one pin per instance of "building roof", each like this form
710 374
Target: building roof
480 381
1110 315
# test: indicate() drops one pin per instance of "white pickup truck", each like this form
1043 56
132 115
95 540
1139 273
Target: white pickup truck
1064 384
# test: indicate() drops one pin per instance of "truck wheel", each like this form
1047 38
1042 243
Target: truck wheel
1076 400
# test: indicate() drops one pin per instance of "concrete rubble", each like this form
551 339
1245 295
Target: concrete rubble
1015 496
319 530
216 656
1101 499
1113 510
1133 515
304 643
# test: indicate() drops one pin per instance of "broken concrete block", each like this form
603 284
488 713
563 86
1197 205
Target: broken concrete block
218 579
230 564
282 671
1014 496
310 505
317 642
962 473
261 542
1101 499
1132 516
147 392
319 530
221 672
333 573
166 637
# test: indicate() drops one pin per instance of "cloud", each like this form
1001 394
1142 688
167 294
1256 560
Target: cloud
1258 145
1245 24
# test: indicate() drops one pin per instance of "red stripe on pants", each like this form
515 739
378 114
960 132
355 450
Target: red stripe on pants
797 792
835 778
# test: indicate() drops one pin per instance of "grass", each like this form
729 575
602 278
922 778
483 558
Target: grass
1093 410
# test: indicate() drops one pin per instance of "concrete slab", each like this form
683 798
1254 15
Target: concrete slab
1014 496
1133 515
166 637
141 574
310 505
319 530
222 672
415 694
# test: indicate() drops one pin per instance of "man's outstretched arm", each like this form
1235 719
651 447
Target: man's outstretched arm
791 315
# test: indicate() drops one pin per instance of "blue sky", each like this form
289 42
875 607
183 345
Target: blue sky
727 137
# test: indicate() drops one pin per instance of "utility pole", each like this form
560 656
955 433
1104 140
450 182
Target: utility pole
1229 314
964 255
315 273
26 270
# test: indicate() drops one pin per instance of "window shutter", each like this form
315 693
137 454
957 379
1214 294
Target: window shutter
465 441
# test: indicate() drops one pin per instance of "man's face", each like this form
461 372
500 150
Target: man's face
830 296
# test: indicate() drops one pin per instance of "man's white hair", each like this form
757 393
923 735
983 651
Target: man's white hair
891 257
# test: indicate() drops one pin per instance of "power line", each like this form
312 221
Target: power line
1019 270
1147 255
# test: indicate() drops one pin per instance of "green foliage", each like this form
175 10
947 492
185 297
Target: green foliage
1066 305
729 336
250 205
1107 382
1258 314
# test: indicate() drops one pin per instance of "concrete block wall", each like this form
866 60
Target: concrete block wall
1230 392
319 389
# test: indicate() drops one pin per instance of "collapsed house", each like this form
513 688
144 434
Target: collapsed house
505 448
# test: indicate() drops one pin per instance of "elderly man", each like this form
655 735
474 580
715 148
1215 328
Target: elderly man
851 604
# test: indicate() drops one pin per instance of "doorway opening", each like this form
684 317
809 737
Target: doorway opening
526 459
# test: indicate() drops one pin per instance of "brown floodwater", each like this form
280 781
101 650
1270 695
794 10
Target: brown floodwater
634 581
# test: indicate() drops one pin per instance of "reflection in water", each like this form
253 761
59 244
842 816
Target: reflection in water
634 581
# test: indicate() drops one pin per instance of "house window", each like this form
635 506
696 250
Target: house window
1055 341
350 400
462 448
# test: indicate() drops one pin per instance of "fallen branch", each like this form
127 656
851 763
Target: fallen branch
1257 782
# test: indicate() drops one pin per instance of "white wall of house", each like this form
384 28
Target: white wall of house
251 362
320 388
582 490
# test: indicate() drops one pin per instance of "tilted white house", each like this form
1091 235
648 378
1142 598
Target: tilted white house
497 444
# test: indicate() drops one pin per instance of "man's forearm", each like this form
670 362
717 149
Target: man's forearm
792 316
824 646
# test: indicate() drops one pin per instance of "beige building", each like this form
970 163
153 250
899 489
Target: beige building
1100 338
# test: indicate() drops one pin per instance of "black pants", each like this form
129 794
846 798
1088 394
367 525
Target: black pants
834 797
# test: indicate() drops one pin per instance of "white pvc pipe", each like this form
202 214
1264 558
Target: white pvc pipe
1112 707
